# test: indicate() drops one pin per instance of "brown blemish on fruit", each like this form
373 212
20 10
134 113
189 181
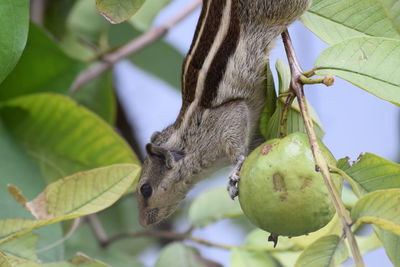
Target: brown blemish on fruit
306 183
283 196
266 149
280 185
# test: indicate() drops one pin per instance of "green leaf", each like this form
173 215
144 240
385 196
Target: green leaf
179 255
87 23
55 16
349 198
86 32
334 227
78 260
294 120
16 166
82 194
286 258
372 173
63 137
380 208
14 21
369 63
55 72
4 261
98 96
117 11
270 104
22 247
326 251
13 261
251 258
12 226
168 69
144 18
123 217
343 163
213 205
258 239
116 255
368 243
391 243
337 20
392 9
284 75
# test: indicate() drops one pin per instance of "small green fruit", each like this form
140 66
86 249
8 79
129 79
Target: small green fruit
281 192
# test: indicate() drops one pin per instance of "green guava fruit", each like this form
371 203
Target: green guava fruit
281 192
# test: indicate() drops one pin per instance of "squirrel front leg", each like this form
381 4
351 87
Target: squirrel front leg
233 122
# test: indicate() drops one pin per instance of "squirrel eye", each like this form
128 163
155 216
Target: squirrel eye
146 190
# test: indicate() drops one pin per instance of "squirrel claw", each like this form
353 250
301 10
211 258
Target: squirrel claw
234 179
232 189
233 185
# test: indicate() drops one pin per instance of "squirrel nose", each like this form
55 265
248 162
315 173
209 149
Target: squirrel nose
149 217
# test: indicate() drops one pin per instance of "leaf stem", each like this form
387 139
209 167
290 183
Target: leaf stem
342 173
309 73
321 165
130 48
327 80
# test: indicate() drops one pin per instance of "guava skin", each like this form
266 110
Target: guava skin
280 190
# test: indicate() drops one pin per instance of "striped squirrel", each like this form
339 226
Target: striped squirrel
222 99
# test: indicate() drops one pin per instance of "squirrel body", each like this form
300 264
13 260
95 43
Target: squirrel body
223 81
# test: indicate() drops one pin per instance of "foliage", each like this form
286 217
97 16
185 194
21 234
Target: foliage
61 156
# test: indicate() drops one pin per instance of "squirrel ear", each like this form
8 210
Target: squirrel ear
149 149
169 156
172 156
154 136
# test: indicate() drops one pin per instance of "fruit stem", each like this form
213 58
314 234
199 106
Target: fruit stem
297 87
284 117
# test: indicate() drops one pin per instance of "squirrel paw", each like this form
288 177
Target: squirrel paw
233 186
234 178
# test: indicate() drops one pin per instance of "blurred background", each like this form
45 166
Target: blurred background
354 121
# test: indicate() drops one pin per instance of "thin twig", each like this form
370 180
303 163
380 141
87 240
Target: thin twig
321 164
97 228
351 182
130 48
75 226
180 237
104 241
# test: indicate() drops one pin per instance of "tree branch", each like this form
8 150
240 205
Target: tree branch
321 165
104 241
130 48
180 237
97 228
